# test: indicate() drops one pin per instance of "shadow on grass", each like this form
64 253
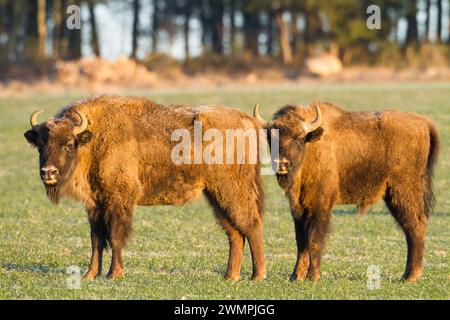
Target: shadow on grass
33 267
353 211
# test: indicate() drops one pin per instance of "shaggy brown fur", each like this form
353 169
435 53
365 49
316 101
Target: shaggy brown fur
123 159
356 158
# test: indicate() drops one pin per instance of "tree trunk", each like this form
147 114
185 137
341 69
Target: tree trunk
187 18
204 24
73 37
294 32
269 43
135 32
155 26
427 21
251 26
217 25
439 21
3 29
31 34
448 26
94 35
285 46
411 34
57 20
42 29
312 29
232 26
15 11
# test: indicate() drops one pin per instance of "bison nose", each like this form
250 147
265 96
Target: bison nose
283 166
49 174
285 163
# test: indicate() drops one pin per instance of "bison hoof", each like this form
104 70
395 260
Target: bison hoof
413 277
91 275
295 277
117 274
234 277
258 277
313 276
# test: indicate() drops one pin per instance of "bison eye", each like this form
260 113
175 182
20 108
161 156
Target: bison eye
69 146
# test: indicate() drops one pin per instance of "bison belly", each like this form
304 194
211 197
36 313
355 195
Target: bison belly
363 183
170 185
363 189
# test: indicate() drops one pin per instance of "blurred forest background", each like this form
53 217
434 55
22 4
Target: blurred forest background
228 36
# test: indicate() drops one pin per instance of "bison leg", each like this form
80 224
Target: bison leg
98 240
235 238
119 228
237 241
255 239
318 230
412 219
240 222
311 228
301 236
415 240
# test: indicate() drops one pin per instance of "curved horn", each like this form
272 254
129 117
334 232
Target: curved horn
258 117
33 118
83 124
311 126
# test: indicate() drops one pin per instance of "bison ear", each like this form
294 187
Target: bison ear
314 135
84 137
31 137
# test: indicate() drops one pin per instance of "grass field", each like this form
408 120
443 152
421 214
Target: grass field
179 252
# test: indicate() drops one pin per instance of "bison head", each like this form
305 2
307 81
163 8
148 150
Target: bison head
57 141
294 133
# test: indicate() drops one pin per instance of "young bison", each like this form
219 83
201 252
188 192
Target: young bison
329 157
113 153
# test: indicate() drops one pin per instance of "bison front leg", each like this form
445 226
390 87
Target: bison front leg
98 241
119 229
311 228
318 231
301 237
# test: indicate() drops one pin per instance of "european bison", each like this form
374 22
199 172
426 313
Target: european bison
329 156
113 153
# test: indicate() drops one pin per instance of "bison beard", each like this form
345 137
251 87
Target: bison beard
53 194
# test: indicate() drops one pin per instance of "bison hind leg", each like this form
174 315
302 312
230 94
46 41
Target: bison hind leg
408 210
236 241
240 221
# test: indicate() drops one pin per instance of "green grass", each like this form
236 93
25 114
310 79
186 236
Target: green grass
179 252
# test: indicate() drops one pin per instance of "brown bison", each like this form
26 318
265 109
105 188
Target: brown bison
329 156
113 153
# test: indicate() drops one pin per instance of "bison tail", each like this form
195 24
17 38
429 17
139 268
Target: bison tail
260 197
429 198
259 192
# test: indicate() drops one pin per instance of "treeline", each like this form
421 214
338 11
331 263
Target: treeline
288 31
27 25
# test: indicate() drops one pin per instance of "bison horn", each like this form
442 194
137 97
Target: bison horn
311 126
258 117
33 118
83 124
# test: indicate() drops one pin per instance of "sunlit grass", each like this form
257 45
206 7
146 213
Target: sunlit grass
179 252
